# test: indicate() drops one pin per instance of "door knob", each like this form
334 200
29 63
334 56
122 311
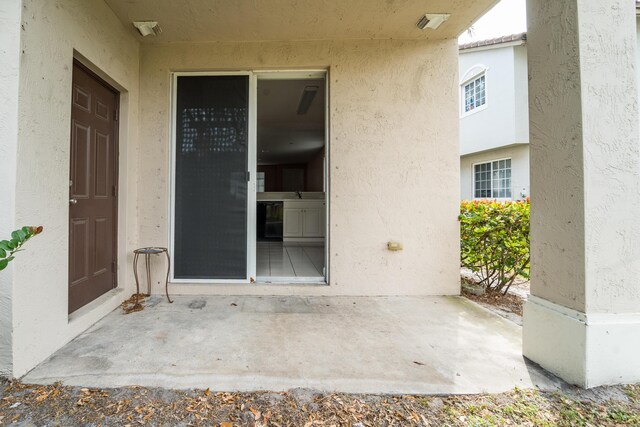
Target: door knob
73 201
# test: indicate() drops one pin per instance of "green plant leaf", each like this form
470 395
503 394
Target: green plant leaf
18 238
7 245
19 235
494 240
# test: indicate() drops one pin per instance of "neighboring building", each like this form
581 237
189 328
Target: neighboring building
494 119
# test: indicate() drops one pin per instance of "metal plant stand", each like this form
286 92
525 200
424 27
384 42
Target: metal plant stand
147 252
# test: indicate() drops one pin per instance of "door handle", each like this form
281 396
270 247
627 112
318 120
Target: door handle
73 201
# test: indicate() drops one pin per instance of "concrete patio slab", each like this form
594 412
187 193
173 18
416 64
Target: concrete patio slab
417 345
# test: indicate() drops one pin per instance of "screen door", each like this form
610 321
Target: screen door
211 177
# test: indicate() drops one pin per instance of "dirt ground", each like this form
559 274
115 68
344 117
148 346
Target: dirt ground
26 405
508 306
510 302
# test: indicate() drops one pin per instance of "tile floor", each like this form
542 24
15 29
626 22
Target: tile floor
278 259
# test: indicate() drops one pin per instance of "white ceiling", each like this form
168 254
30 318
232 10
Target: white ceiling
284 136
252 20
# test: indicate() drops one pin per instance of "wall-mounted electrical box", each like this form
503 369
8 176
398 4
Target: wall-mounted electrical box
394 246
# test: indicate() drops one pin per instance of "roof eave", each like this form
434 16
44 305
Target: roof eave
498 42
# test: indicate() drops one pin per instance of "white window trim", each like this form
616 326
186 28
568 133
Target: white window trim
473 180
478 71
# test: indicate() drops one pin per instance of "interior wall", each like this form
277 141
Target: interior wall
394 172
52 31
274 179
315 172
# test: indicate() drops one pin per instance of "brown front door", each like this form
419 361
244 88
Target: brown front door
92 188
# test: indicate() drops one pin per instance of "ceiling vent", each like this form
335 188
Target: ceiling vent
148 28
432 20
308 95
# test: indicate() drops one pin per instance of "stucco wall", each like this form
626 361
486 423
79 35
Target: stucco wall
521 93
519 155
51 32
393 162
10 15
581 321
494 126
584 155
638 54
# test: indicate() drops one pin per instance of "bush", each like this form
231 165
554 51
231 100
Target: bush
494 241
8 248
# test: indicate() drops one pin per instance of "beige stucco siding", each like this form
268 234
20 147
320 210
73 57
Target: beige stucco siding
393 132
519 155
10 14
52 30
582 136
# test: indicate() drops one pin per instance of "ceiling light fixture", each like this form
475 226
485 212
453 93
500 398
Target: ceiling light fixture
308 95
148 28
432 20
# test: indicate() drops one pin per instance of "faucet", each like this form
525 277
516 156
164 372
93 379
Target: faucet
299 194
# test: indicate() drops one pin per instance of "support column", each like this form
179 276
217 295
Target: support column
582 320
10 16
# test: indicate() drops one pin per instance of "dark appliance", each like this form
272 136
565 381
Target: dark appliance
269 219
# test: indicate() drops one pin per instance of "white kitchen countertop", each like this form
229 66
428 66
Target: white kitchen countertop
281 196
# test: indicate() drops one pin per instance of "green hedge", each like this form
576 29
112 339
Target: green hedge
494 241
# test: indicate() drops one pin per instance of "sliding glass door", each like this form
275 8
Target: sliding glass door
211 214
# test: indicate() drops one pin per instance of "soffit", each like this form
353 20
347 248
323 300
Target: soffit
270 20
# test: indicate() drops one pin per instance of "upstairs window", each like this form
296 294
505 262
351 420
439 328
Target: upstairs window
474 94
492 180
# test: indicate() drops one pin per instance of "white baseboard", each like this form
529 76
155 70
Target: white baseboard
587 350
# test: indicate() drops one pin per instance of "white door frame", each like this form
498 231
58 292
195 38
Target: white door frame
251 185
312 73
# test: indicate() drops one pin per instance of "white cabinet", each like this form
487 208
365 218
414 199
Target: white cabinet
304 219
312 223
292 222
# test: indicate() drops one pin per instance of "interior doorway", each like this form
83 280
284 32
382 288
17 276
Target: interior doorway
291 178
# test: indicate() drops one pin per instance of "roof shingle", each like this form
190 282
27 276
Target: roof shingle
497 40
